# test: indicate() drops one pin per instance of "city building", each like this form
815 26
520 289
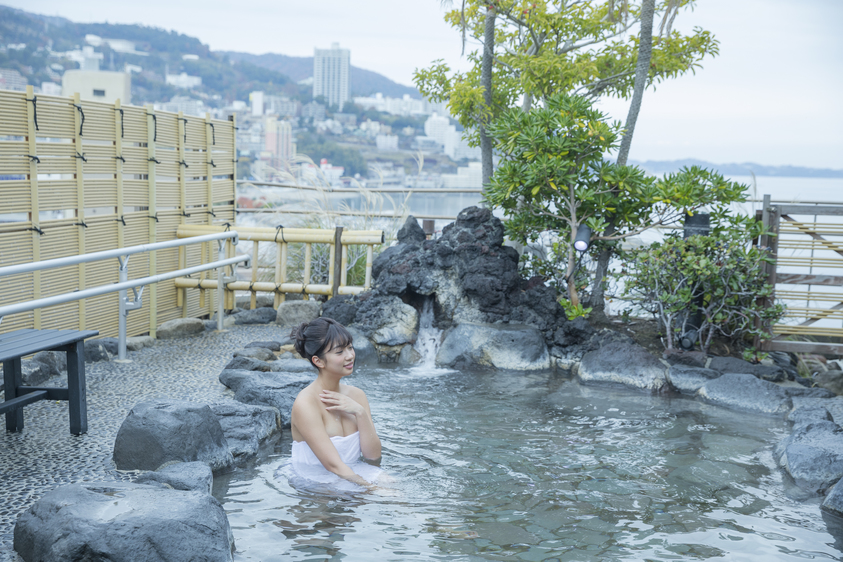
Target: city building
331 75
12 80
324 174
280 106
401 106
387 142
184 104
279 141
457 148
470 176
116 45
437 127
427 144
96 85
256 98
183 80
313 110
50 88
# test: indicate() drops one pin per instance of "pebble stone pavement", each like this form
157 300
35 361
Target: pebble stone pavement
45 455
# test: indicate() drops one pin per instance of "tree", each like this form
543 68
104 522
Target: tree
545 46
554 176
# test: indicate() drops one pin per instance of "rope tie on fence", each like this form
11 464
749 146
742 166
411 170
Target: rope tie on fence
119 158
153 160
185 128
36 229
82 113
213 214
121 219
213 134
183 163
303 288
277 288
251 284
155 216
34 101
34 158
279 228
121 120
184 214
155 133
227 226
81 156
212 163
80 224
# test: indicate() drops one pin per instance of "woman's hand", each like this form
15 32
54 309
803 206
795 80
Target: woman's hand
337 402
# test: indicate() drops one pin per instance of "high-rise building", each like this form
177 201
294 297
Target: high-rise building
279 141
330 74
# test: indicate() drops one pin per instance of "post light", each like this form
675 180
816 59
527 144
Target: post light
583 239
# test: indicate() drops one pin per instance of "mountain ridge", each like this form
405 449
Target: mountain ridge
738 169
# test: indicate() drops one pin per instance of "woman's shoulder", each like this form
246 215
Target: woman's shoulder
352 391
306 396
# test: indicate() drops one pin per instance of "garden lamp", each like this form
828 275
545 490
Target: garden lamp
583 239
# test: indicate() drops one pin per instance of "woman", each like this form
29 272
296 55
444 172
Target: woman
331 422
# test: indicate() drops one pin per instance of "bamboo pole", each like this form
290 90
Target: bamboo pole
80 199
254 304
281 271
118 146
308 255
34 213
181 300
151 134
369 259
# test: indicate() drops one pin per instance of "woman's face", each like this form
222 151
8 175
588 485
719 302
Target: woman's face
339 360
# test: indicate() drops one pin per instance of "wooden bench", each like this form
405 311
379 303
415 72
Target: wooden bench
20 343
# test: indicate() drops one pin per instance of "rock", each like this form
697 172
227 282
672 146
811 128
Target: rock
259 353
623 363
293 313
257 316
735 365
227 322
386 320
137 343
95 351
342 308
831 380
270 345
746 392
123 522
833 405
833 502
156 433
191 476
514 347
110 345
812 455
411 232
364 352
688 358
808 414
688 379
409 356
263 300
575 332
55 362
179 328
278 390
793 389
290 364
246 427
248 364
33 373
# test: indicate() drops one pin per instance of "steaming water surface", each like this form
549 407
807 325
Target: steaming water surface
537 467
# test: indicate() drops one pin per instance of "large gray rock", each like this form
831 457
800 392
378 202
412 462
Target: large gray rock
364 352
387 321
157 433
808 414
191 476
123 522
278 390
227 322
270 345
262 300
812 455
179 328
746 392
110 345
833 502
515 347
248 364
55 362
95 351
687 379
623 363
137 343
262 315
259 353
832 380
734 365
34 373
289 364
293 313
246 427
342 308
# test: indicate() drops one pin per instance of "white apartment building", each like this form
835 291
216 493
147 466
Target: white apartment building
437 127
387 142
279 141
331 74
97 85
183 80
468 177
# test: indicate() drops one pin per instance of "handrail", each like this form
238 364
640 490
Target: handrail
329 189
122 255
116 253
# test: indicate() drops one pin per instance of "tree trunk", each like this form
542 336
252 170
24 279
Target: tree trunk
642 70
486 82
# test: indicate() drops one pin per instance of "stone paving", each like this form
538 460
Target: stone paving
45 455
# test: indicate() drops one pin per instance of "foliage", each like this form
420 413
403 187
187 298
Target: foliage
318 147
573 311
723 277
553 177
547 46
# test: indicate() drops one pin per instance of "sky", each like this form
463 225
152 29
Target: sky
771 97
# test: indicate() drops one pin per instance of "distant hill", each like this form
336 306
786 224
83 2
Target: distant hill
363 82
165 51
743 169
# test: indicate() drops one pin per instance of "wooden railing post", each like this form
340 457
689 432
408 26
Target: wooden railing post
34 213
336 261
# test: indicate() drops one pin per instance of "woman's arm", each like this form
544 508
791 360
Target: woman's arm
356 404
312 429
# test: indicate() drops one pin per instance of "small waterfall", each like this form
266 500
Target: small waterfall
429 337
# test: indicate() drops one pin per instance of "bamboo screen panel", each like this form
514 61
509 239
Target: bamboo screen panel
78 177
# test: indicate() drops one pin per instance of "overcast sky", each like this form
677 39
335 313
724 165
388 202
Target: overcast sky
773 96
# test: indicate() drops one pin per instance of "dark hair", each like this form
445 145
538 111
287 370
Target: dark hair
319 336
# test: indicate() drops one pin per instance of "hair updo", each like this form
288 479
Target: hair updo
319 336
